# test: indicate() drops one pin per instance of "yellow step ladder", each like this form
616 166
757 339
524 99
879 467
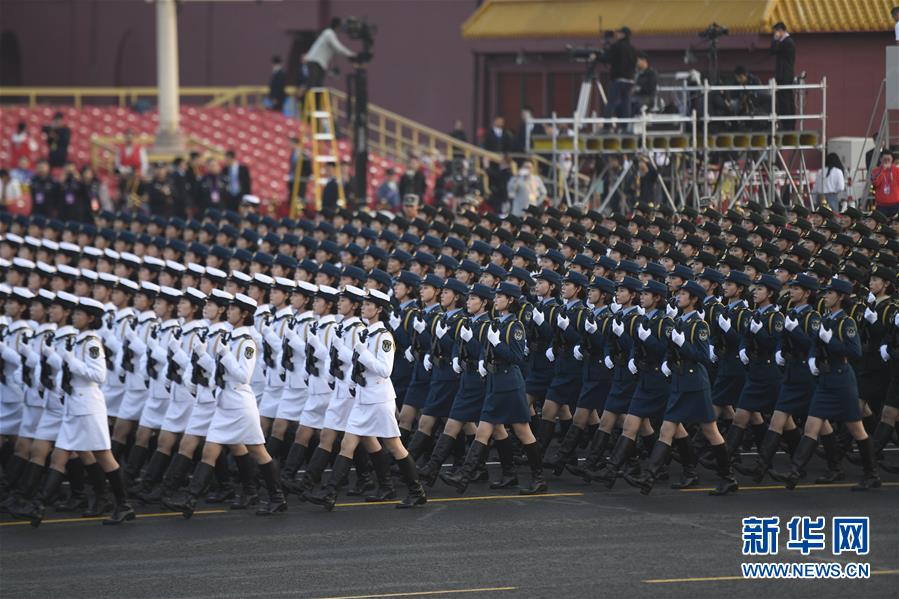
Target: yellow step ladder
318 121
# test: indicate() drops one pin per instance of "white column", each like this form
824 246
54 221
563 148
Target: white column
168 138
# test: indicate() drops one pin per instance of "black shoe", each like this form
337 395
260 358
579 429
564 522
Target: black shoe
831 476
508 480
152 495
76 502
33 511
726 481
725 486
415 494
221 495
382 494
97 505
871 480
660 456
276 503
460 478
566 450
182 502
688 479
123 512
326 497
538 483
364 484
245 500
415 497
381 462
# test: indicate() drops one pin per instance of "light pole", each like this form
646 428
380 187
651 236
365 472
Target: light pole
168 139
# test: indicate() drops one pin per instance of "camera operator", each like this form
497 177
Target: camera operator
646 84
748 102
622 60
322 51
784 50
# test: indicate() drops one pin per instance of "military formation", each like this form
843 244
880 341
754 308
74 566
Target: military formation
238 359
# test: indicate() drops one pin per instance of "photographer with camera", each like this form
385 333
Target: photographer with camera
322 51
646 83
622 60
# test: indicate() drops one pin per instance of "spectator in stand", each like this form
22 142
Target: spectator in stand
159 197
388 194
23 172
458 131
647 180
413 179
784 50
322 51
58 136
97 195
213 191
527 128
497 139
182 196
498 177
331 190
22 146
12 199
525 189
131 163
277 85
237 180
622 59
75 204
194 177
46 193
831 182
645 86
349 185
885 180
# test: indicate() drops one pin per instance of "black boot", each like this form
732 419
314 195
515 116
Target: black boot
804 452
688 460
13 469
609 472
186 502
365 482
660 456
415 494
870 480
507 463
136 458
123 510
246 471
405 435
758 433
313 475
222 490
420 445
733 442
767 449
98 503
566 449
153 475
726 482
444 447
77 499
276 501
380 460
34 510
460 478
598 446
881 436
275 447
292 464
327 496
538 485
833 456
174 478
791 440
27 482
118 449
547 431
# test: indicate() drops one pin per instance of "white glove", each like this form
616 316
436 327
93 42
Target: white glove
884 353
577 353
896 320
701 314
395 321
408 355
813 366
615 307
712 355
665 370
359 347
440 330
678 337
643 332
871 297
755 326
790 323
481 370
632 366
537 317
609 363
617 328
825 334
590 326
670 310
418 324
870 315
346 354
457 368
779 358
723 323
427 362
562 321
744 357
465 333
550 355
493 336
641 310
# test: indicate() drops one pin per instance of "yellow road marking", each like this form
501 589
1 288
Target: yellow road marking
99 518
426 593
452 499
717 578
783 488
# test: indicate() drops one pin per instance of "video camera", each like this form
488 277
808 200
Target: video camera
713 32
359 29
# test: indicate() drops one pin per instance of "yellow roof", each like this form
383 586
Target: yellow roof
587 18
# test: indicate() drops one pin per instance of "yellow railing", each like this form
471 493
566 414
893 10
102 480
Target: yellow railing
104 148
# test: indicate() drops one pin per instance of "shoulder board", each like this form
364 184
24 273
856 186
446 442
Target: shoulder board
87 339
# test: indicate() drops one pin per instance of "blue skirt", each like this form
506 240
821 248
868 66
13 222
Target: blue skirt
648 403
836 396
794 398
469 401
760 393
505 407
538 381
593 394
727 389
417 394
620 396
440 398
690 407
564 393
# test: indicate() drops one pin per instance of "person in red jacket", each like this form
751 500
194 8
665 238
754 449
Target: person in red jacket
885 180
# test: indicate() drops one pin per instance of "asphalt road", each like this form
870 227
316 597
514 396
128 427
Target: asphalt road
577 541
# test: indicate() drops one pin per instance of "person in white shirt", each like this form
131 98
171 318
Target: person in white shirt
525 189
831 182
322 51
895 14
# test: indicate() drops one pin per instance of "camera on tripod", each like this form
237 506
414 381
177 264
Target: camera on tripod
359 29
713 32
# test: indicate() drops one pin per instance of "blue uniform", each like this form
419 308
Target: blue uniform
711 309
505 401
540 339
763 376
652 391
420 384
690 400
836 391
566 382
469 400
731 374
798 382
618 349
444 380
402 336
597 378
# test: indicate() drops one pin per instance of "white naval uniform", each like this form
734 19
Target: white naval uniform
113 337
263 313
136 382
12 393
273 335
177 414
204 407
34 398
84 423
295 392
160 392
236 417
342 399
51 418
374 412
319 386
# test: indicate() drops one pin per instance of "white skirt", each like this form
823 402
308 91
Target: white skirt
292 404
200 417
315 408
89 432
339 409
48 428
114 396
231 427
271 397
10 416
133 404
178 412
154 412
31 418
374 420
